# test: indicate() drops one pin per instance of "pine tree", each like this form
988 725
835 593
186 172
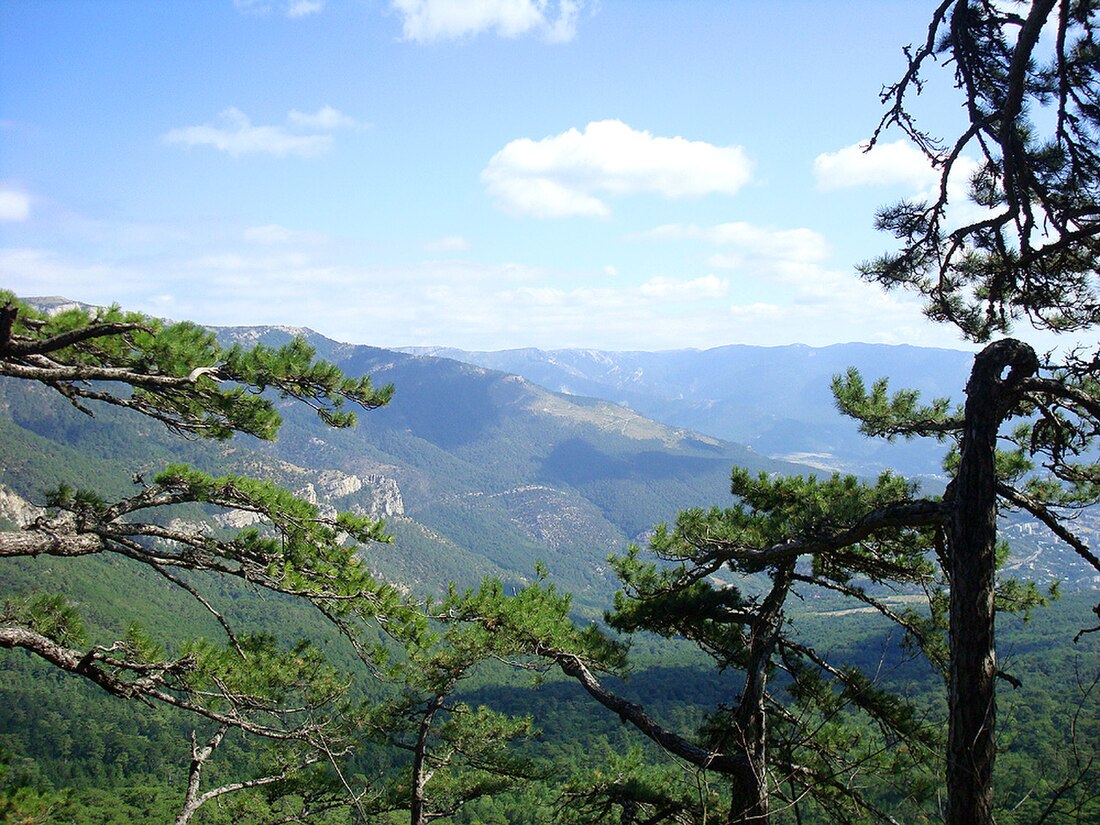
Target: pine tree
178 374
1026 437
826 720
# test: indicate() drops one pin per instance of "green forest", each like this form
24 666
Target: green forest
73 753
191 632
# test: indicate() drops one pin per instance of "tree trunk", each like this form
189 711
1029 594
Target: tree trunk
972 538
192 801
421 774
749 783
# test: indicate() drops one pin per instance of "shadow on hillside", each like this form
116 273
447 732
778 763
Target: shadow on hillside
577 462
449 405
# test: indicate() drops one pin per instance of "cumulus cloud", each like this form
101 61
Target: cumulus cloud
566 174
291 8
305 135
425 21
326 119
900 165
886 164
541 197
677 289
15 205
744 242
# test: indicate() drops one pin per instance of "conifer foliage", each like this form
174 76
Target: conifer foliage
1028 74
178 374
779 745
1026 439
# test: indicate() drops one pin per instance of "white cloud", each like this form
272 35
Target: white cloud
325 119
781 287
877 318
291 8
758 311
564 28
234 134
901 165
425 21
541 197
676 289
15 205
743 242
563 175
886 164
304 8
29 271
452 243
475 306
785 244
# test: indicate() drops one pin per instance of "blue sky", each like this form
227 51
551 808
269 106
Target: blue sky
484 174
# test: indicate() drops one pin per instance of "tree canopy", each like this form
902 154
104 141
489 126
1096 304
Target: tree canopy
1026 249
1027 75
179 375
797 730
1023 249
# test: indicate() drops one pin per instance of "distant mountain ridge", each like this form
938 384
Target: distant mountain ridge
479 471
776 400
575 472
476 472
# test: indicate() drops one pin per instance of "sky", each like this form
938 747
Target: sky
481 174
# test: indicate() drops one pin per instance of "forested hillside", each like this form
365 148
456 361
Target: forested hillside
477 472
512 478
252 574
774 399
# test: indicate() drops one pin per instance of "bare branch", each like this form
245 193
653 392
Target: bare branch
573 666
200 756
20 346
1045 515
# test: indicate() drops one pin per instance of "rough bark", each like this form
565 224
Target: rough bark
749 784
421 773
37 543
972 537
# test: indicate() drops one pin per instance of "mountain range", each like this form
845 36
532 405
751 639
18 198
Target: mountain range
480 469
775 399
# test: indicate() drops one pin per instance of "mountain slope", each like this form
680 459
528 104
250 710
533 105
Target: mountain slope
775 399
476 472
510 470
479 472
